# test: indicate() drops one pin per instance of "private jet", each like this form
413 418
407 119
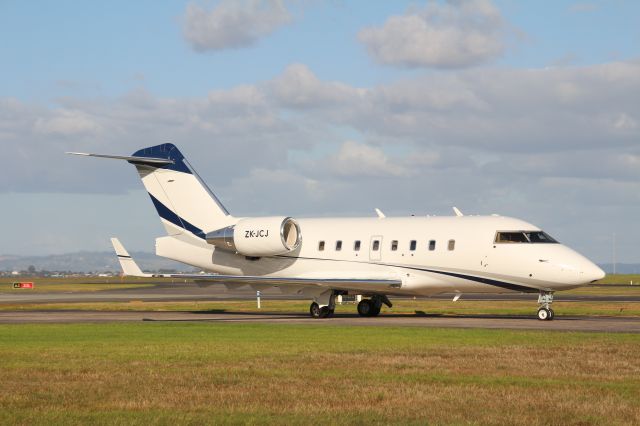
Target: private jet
374 257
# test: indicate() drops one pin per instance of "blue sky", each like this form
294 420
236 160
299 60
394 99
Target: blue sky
109 48
550 86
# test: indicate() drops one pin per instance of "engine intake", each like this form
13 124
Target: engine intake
259 236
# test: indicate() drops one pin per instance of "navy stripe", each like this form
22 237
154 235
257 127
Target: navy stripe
170 216
124 257
165 150
496 283
489 281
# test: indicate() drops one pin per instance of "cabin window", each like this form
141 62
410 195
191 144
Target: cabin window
524 237
321 246
376 245
432 245
452 245
412 245
338 245
356 245
394 245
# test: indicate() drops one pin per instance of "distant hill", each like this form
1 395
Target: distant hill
87 262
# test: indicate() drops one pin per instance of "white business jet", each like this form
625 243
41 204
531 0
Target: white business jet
375 257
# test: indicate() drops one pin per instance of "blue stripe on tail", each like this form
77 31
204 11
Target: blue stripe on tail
170 216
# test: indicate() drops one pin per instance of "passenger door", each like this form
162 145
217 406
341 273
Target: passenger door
375 248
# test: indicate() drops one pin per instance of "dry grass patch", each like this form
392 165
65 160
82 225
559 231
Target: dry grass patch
229 373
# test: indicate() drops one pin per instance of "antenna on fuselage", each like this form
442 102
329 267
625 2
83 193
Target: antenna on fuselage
379 213
457 211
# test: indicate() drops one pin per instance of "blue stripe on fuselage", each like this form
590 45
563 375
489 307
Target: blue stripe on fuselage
483 280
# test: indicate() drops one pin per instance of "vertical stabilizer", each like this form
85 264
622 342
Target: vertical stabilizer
183 201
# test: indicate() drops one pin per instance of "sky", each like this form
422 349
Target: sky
306 108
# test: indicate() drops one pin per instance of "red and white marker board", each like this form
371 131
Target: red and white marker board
23 285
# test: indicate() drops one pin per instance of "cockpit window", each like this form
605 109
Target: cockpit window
526 237
539 237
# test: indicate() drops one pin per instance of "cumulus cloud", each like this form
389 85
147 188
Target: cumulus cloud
67 122
441 35
299 87
233 23
358 159
444 120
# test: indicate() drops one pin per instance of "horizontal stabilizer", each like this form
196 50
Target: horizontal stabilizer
137 160
129 266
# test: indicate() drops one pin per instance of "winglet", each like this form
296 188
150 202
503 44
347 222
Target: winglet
379 213
129 266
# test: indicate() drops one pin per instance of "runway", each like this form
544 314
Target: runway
590 324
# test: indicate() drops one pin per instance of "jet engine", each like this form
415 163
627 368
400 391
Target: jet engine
258 236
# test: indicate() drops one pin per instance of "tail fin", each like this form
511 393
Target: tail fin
182 199
184 202
129 266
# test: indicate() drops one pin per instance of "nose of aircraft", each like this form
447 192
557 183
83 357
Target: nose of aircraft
591 272
574 269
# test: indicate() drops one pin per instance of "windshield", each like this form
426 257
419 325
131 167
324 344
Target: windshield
524 237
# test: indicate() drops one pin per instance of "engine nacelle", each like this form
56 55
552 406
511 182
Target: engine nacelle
258 236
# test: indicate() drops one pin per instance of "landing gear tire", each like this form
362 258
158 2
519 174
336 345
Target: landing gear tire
545 314
368 308
320 312
364 308
314 310
545 298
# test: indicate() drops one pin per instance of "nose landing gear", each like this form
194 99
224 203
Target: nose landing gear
545 298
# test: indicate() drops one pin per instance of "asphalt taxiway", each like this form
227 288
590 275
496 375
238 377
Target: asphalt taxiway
591 324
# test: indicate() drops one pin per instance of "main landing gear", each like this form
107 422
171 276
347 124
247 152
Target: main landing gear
545 298
324 305
371 307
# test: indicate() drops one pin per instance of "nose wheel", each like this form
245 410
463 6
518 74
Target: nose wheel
545 313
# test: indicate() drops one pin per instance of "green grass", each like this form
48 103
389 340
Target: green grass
150 373
620 279
75 284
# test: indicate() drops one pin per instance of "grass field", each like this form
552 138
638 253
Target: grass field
621 279
145 373
53 285
195 373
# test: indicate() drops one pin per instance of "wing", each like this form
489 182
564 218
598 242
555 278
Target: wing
131 268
